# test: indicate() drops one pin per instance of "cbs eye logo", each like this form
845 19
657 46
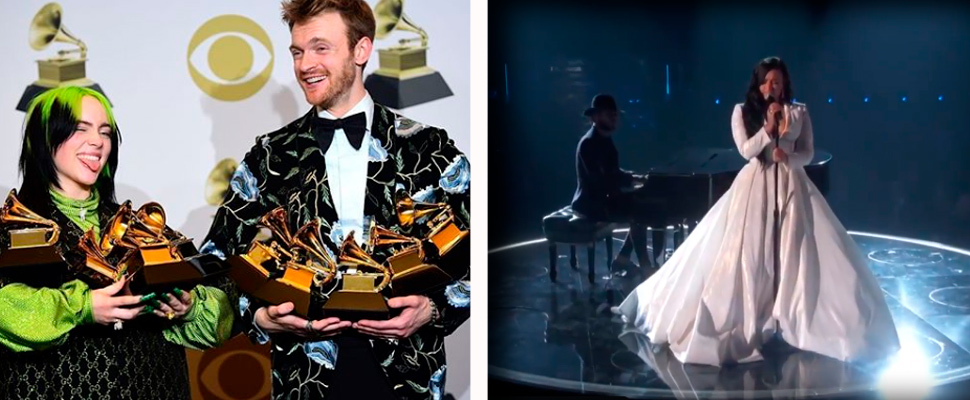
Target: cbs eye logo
237 370
230 57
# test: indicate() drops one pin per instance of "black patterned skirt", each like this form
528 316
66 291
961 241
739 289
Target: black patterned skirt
97 362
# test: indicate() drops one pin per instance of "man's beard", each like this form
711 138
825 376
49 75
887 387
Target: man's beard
340 87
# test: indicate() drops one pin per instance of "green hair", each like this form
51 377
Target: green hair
70 97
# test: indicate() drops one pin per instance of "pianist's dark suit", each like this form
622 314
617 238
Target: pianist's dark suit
599 180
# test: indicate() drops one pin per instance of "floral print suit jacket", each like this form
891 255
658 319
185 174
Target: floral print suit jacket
287 168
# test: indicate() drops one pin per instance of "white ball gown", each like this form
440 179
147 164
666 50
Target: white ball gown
713 302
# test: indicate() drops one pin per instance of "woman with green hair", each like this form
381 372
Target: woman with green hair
60 338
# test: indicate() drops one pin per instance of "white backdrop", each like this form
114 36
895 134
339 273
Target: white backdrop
173 132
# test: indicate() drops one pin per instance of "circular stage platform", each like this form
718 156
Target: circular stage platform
562 336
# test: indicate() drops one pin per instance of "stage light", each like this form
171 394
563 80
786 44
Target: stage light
940 98
904 98
865 100
830 99
717 101
667 69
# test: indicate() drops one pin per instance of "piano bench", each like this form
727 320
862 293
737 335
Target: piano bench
565 226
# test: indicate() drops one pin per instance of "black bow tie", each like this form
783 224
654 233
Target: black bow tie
354 126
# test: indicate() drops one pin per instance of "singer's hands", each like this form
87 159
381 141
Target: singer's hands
778 155
771 123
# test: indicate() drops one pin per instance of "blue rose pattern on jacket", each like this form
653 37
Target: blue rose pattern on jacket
322 352
459 294
456 178
243 183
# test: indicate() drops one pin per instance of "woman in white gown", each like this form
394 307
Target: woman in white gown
713 301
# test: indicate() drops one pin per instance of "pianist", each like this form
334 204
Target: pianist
602 190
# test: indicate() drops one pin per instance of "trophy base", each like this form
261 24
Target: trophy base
255 281
30 257
355 306
400 93
183 274
457 259
39 87
419 280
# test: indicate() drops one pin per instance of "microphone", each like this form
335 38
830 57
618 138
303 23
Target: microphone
771 99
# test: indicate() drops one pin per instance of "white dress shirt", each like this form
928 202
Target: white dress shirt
347 173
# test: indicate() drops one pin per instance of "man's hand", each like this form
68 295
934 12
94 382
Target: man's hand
277 319
416 313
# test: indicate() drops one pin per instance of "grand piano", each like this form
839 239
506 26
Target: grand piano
679 191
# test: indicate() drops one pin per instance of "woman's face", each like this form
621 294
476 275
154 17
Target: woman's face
773 84
80 159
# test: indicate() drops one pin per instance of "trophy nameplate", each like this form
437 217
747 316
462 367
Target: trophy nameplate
403 78
357 299
28 246
55 72
27 238
403 62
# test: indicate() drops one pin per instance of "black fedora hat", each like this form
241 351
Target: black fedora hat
602 102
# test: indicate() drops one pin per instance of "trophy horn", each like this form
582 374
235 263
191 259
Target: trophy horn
146 226
390 16
13 211
381 236
308 239
352 255
217 184
47 27
116 228
275 220
153 216
95 259
410 211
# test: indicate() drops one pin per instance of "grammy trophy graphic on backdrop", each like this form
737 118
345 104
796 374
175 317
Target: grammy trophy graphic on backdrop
404 78
64 70
230 57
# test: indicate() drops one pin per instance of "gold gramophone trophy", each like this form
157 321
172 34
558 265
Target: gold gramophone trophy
32 239
290 268
138 245
363 281
64 70
441 257
403 78
298 268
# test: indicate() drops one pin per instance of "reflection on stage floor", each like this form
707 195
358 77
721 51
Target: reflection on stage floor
563 336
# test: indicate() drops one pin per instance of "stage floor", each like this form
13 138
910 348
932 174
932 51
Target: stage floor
562 335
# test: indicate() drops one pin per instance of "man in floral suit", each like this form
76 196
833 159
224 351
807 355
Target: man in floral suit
342 163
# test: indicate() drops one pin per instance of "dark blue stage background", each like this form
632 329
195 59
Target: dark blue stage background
886 85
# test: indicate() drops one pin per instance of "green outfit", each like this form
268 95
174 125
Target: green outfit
38 318
51 347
